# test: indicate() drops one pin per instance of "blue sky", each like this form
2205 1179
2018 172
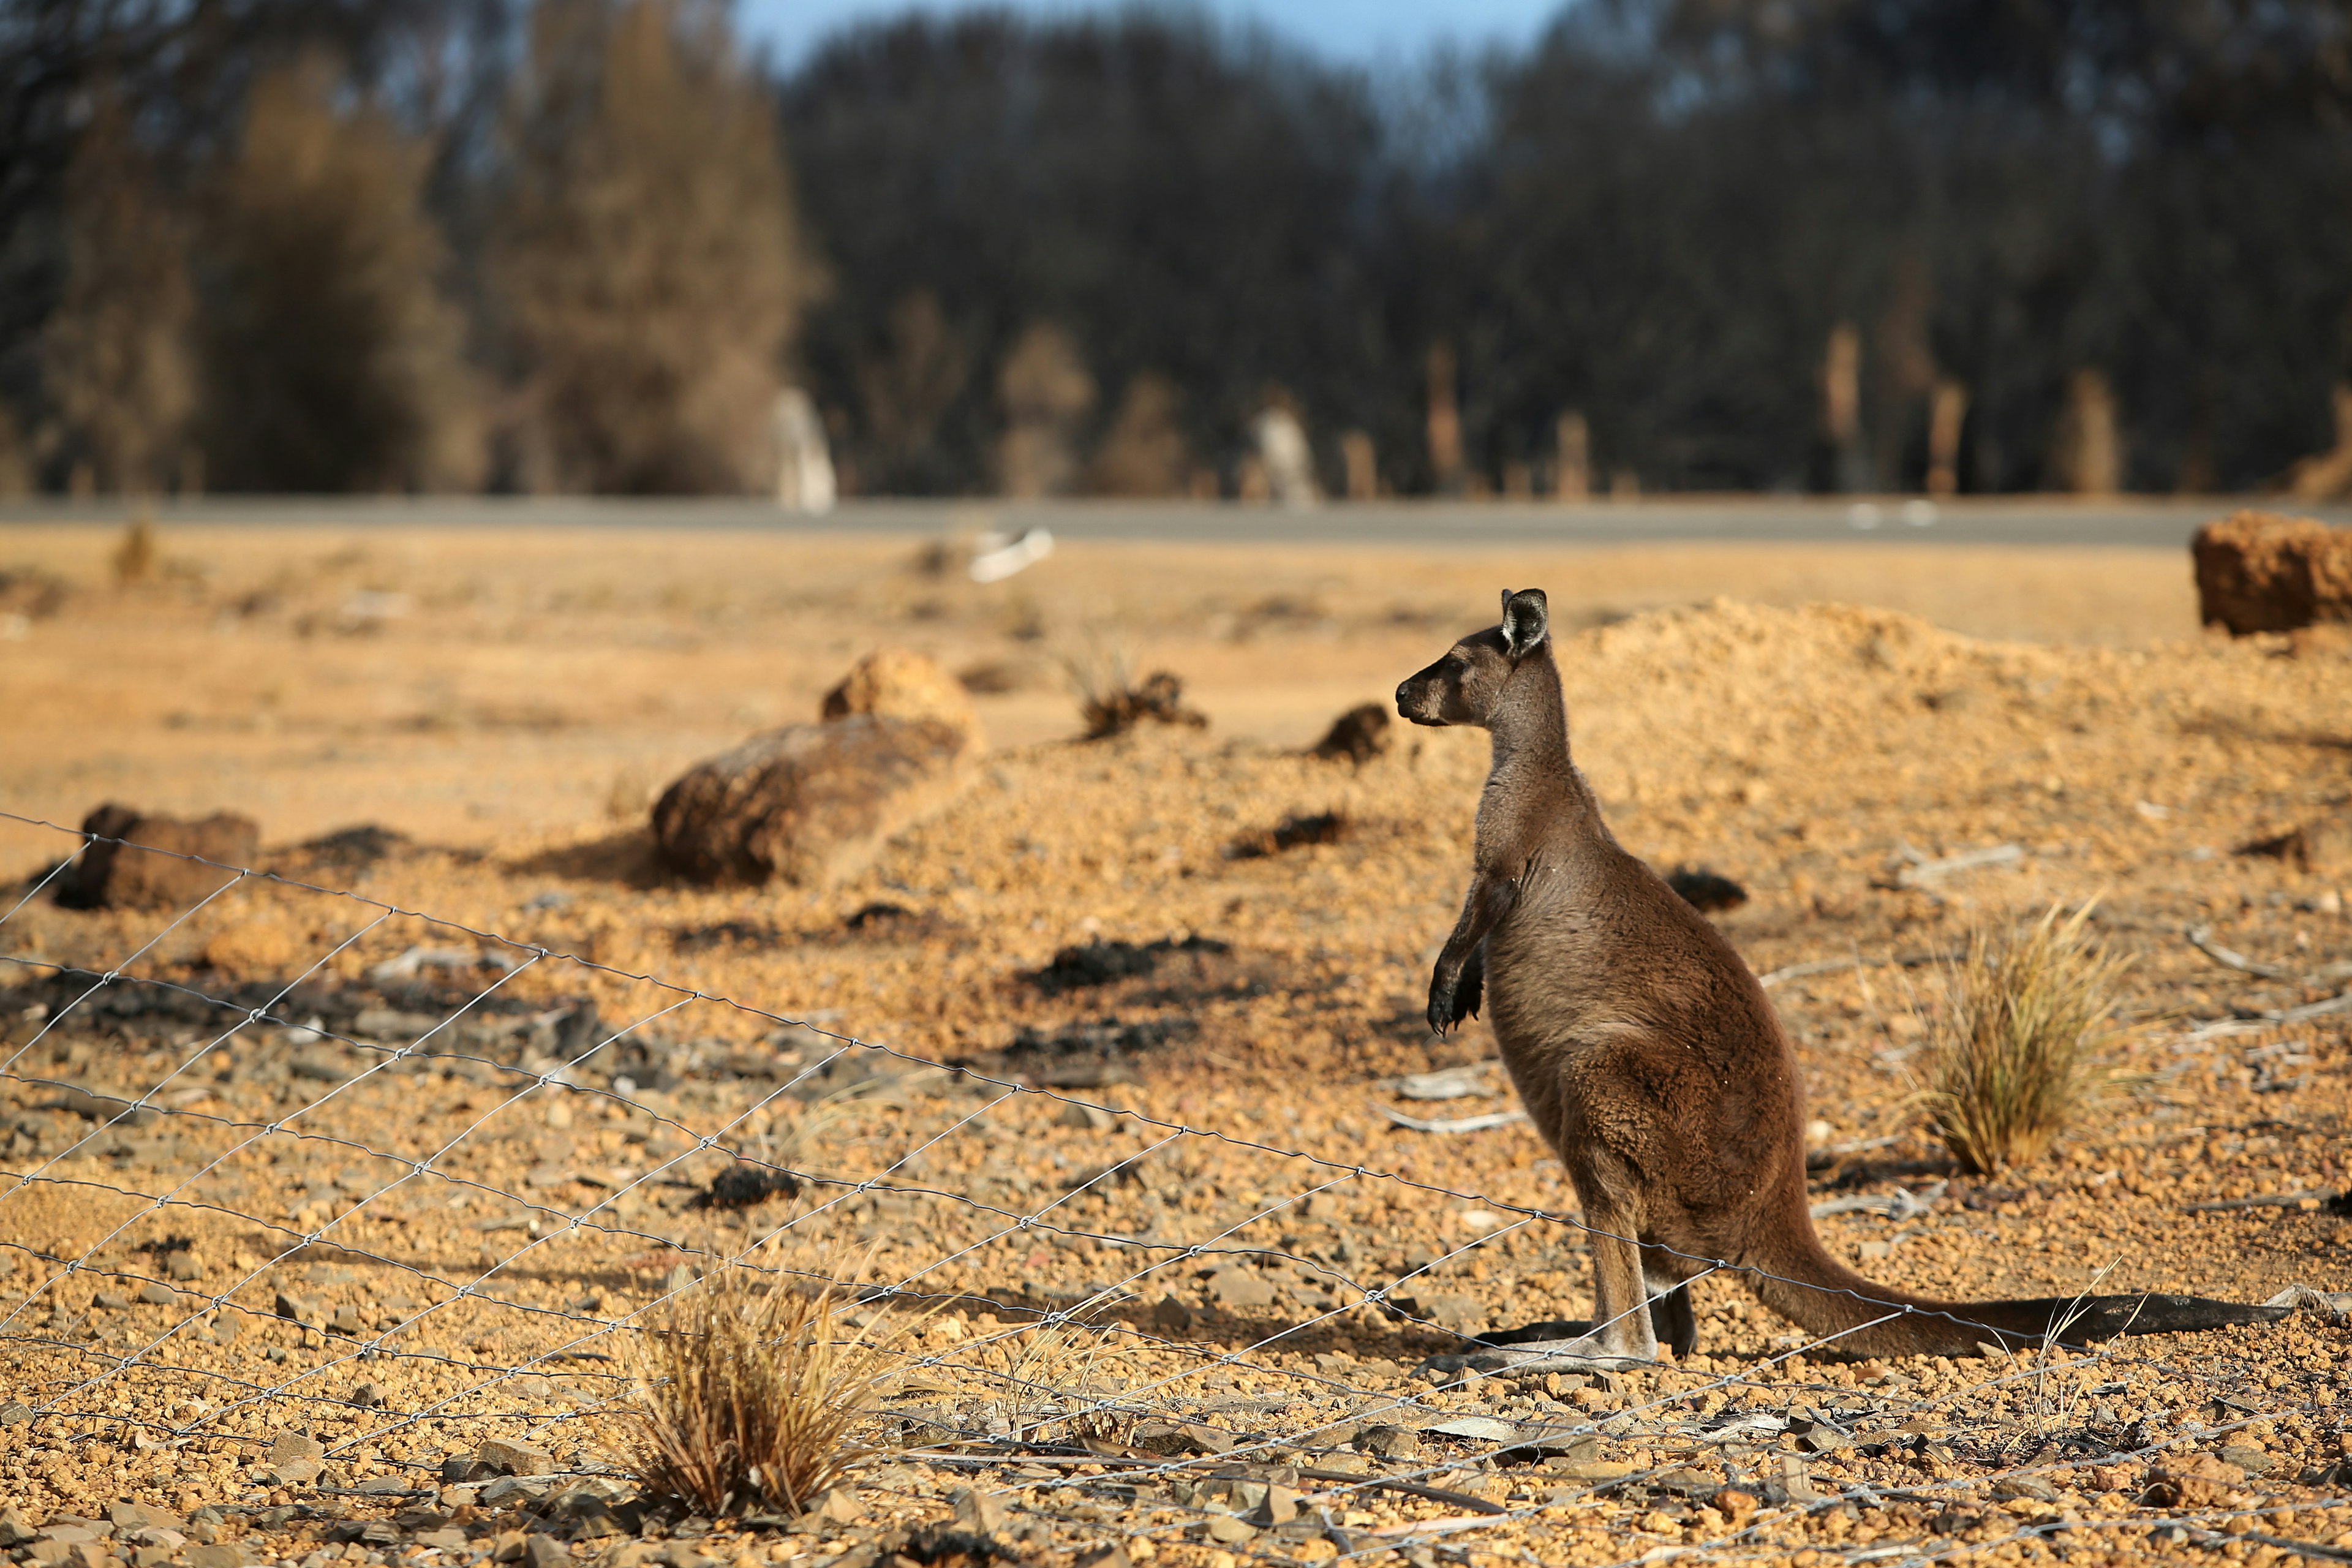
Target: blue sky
1359 31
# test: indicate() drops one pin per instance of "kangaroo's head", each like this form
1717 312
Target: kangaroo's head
1467 686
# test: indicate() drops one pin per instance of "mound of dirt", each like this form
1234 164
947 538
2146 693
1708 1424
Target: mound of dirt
2259 572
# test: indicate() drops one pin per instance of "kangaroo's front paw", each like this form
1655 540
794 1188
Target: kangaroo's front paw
1445 1010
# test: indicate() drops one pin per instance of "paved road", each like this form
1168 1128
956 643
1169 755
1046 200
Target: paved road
2146 522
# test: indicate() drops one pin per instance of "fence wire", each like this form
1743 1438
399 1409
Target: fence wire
364 1237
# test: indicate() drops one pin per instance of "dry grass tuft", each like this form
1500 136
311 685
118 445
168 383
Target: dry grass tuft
2019 1050
748 1393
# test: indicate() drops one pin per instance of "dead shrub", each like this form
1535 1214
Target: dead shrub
2020 1048
1112 705
1319 827
748 1393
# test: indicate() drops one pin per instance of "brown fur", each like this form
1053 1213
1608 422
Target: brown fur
1650 1060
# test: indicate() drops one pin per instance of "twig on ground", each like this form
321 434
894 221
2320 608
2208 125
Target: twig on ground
2267 1201
1920 870
2200 938
1456 1124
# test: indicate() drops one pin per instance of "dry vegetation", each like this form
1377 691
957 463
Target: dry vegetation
2016 1056
1078 940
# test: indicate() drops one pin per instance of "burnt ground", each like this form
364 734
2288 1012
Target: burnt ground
1079 1009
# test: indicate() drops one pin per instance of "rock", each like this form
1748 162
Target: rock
15 1529
543 1551
224 1555
978 1510
840 1506
809 802
504 1459
1737 1506
291 1446
346 1320
156 1295
2253 1461
1279 1506
2194 1480
442 1540
111 1300
106 1108
1237 1288
14 1413
184 1266
1085 1118
1589 1471
2032 1488
1230 1529
300 1309
1463 1314
123 875
2259 572
130 1518
1108 1555
367 1397
897 683
1358 736
1790 1481
1389 1442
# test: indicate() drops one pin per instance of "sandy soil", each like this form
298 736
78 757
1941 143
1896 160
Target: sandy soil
508 701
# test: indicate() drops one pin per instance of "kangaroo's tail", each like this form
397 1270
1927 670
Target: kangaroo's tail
1795 1275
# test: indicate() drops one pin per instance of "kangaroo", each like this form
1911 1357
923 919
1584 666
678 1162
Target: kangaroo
1650 1060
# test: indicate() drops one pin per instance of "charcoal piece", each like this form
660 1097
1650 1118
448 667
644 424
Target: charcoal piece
743 1186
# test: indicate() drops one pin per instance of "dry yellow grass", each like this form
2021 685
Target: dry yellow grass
748 1393
2019 1050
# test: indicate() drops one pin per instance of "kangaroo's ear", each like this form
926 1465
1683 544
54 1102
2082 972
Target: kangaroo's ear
1526 621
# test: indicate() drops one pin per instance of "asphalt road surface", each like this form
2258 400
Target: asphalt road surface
2156 522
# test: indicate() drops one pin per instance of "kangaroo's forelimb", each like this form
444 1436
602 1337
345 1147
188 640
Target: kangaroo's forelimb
1458 981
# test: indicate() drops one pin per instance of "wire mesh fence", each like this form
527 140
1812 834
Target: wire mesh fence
355 1263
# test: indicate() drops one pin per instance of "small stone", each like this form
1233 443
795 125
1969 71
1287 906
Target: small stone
2253 1461
132 1517
15 1529
1737 1506
1090 1117
346 1320
290 1446
1168 1312
224 1555
1389 1442
1109 1555
367 1397
1463 1314
111 1300
184 1266
156 1295
977 1510
1589 1471
1236 1287
507 1547
1280 1507
2027 1487
543 1551
841 1506
442 1540
151 1556
1230 1529
1791 1482
504 1459
16 1412
299 1309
